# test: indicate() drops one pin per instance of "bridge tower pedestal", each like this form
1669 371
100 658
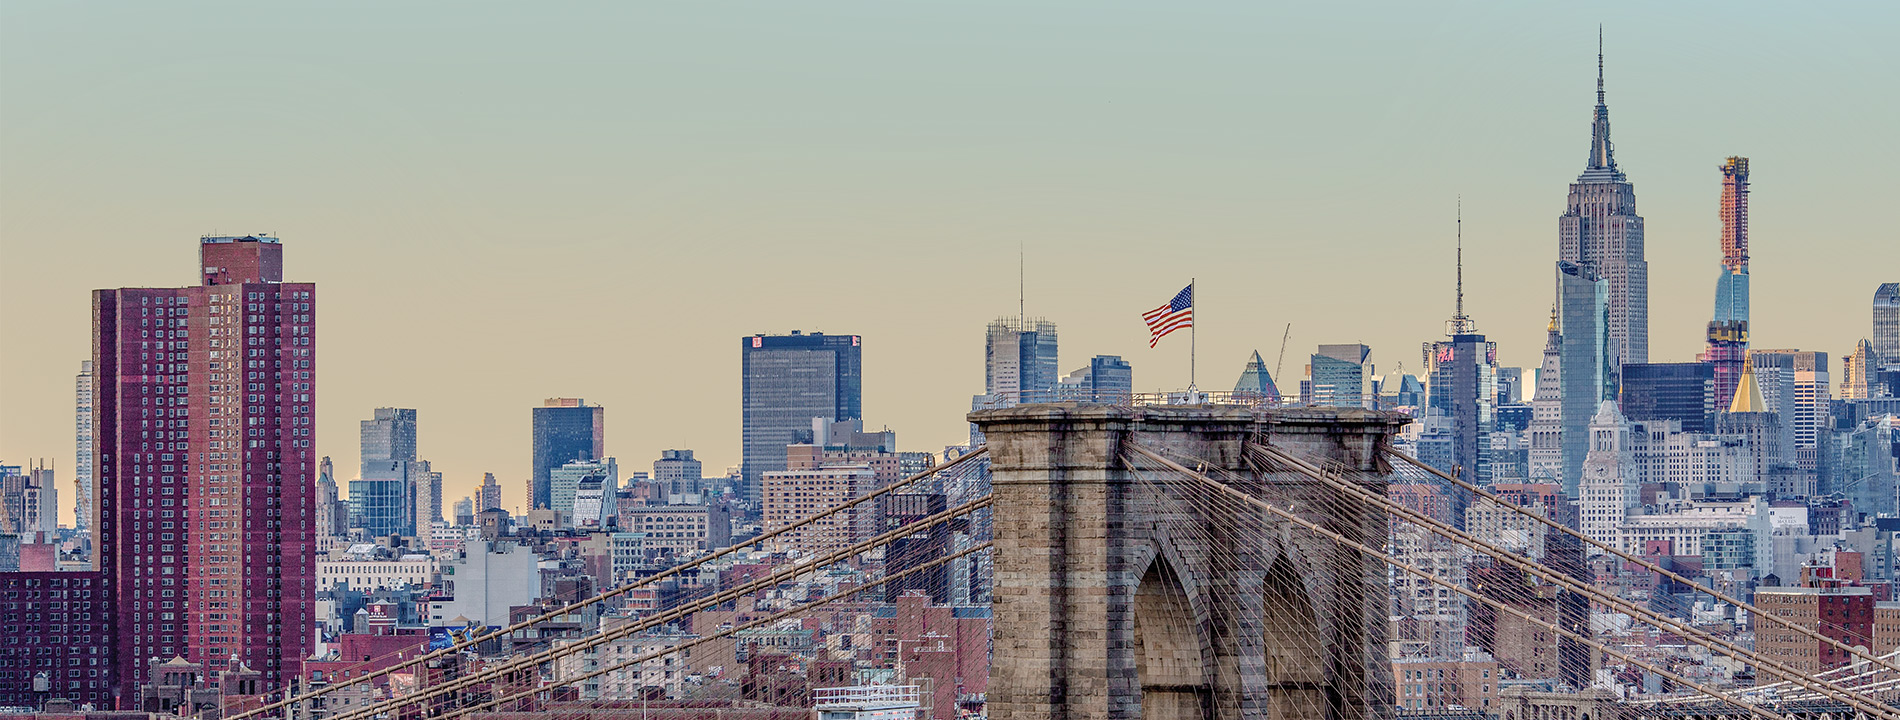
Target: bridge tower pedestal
1112 601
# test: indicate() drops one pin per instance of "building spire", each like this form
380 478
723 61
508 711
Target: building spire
1460 324
1602 153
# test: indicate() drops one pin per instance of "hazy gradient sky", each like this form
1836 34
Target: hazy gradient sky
505 202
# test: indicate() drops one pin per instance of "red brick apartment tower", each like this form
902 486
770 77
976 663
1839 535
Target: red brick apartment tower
204 403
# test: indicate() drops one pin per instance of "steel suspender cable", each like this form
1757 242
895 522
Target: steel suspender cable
1341 539
944 466
801 609
781 575
1706 639
1650 566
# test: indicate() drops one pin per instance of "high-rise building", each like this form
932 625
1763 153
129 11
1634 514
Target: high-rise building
1019 365
389 435
1256 382
1870 465
677 473
1600 227
1336 376
1887 323
329 525
583 492
388 458
383 505
491 494
1463 373
1545 456
1796 385
1728 327
1463 387
1510 385
1589 367
428 492
29 503
1749 417
1670 391
565 430
1858 369
1019 361
786 381
1107 379
1611 478
204 413
83 480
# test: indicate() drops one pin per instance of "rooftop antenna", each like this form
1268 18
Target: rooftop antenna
1599 63
1460 323
1022 286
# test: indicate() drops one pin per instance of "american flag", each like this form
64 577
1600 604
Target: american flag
1177 314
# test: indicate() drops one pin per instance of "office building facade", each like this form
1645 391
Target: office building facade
1107 379
490 498
1684 392
1463 372
1336 376
1588 374
678 473
1886 341
389 435
1019 361
786 382
565 430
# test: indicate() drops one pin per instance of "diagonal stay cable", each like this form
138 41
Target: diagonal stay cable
618 591
778 576
1341 539
1854 651
562 682
1700 636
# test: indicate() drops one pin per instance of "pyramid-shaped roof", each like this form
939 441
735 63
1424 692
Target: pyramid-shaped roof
1256 380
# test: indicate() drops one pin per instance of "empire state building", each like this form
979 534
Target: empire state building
1600 228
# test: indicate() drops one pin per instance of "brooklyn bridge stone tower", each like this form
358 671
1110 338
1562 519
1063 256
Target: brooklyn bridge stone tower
1108 608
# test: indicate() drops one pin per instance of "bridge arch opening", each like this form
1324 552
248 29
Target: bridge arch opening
1293 646
1168 647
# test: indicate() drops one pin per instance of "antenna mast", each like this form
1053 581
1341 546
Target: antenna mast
1022 287
1460 324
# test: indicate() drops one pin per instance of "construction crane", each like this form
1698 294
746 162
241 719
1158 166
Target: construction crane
1282 361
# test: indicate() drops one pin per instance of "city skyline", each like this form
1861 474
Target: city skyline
487 309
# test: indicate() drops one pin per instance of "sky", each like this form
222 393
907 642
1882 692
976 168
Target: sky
505 202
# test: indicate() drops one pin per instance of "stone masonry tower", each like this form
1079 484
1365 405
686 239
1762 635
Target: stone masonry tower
1106 609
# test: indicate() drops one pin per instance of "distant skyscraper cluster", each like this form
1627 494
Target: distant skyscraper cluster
209 533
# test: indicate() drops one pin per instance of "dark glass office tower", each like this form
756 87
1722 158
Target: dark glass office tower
1587 371
1670 391
786 381
565 430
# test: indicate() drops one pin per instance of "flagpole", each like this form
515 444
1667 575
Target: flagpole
1193 297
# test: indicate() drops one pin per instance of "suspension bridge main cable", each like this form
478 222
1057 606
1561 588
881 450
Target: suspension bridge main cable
473 640
1650 566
